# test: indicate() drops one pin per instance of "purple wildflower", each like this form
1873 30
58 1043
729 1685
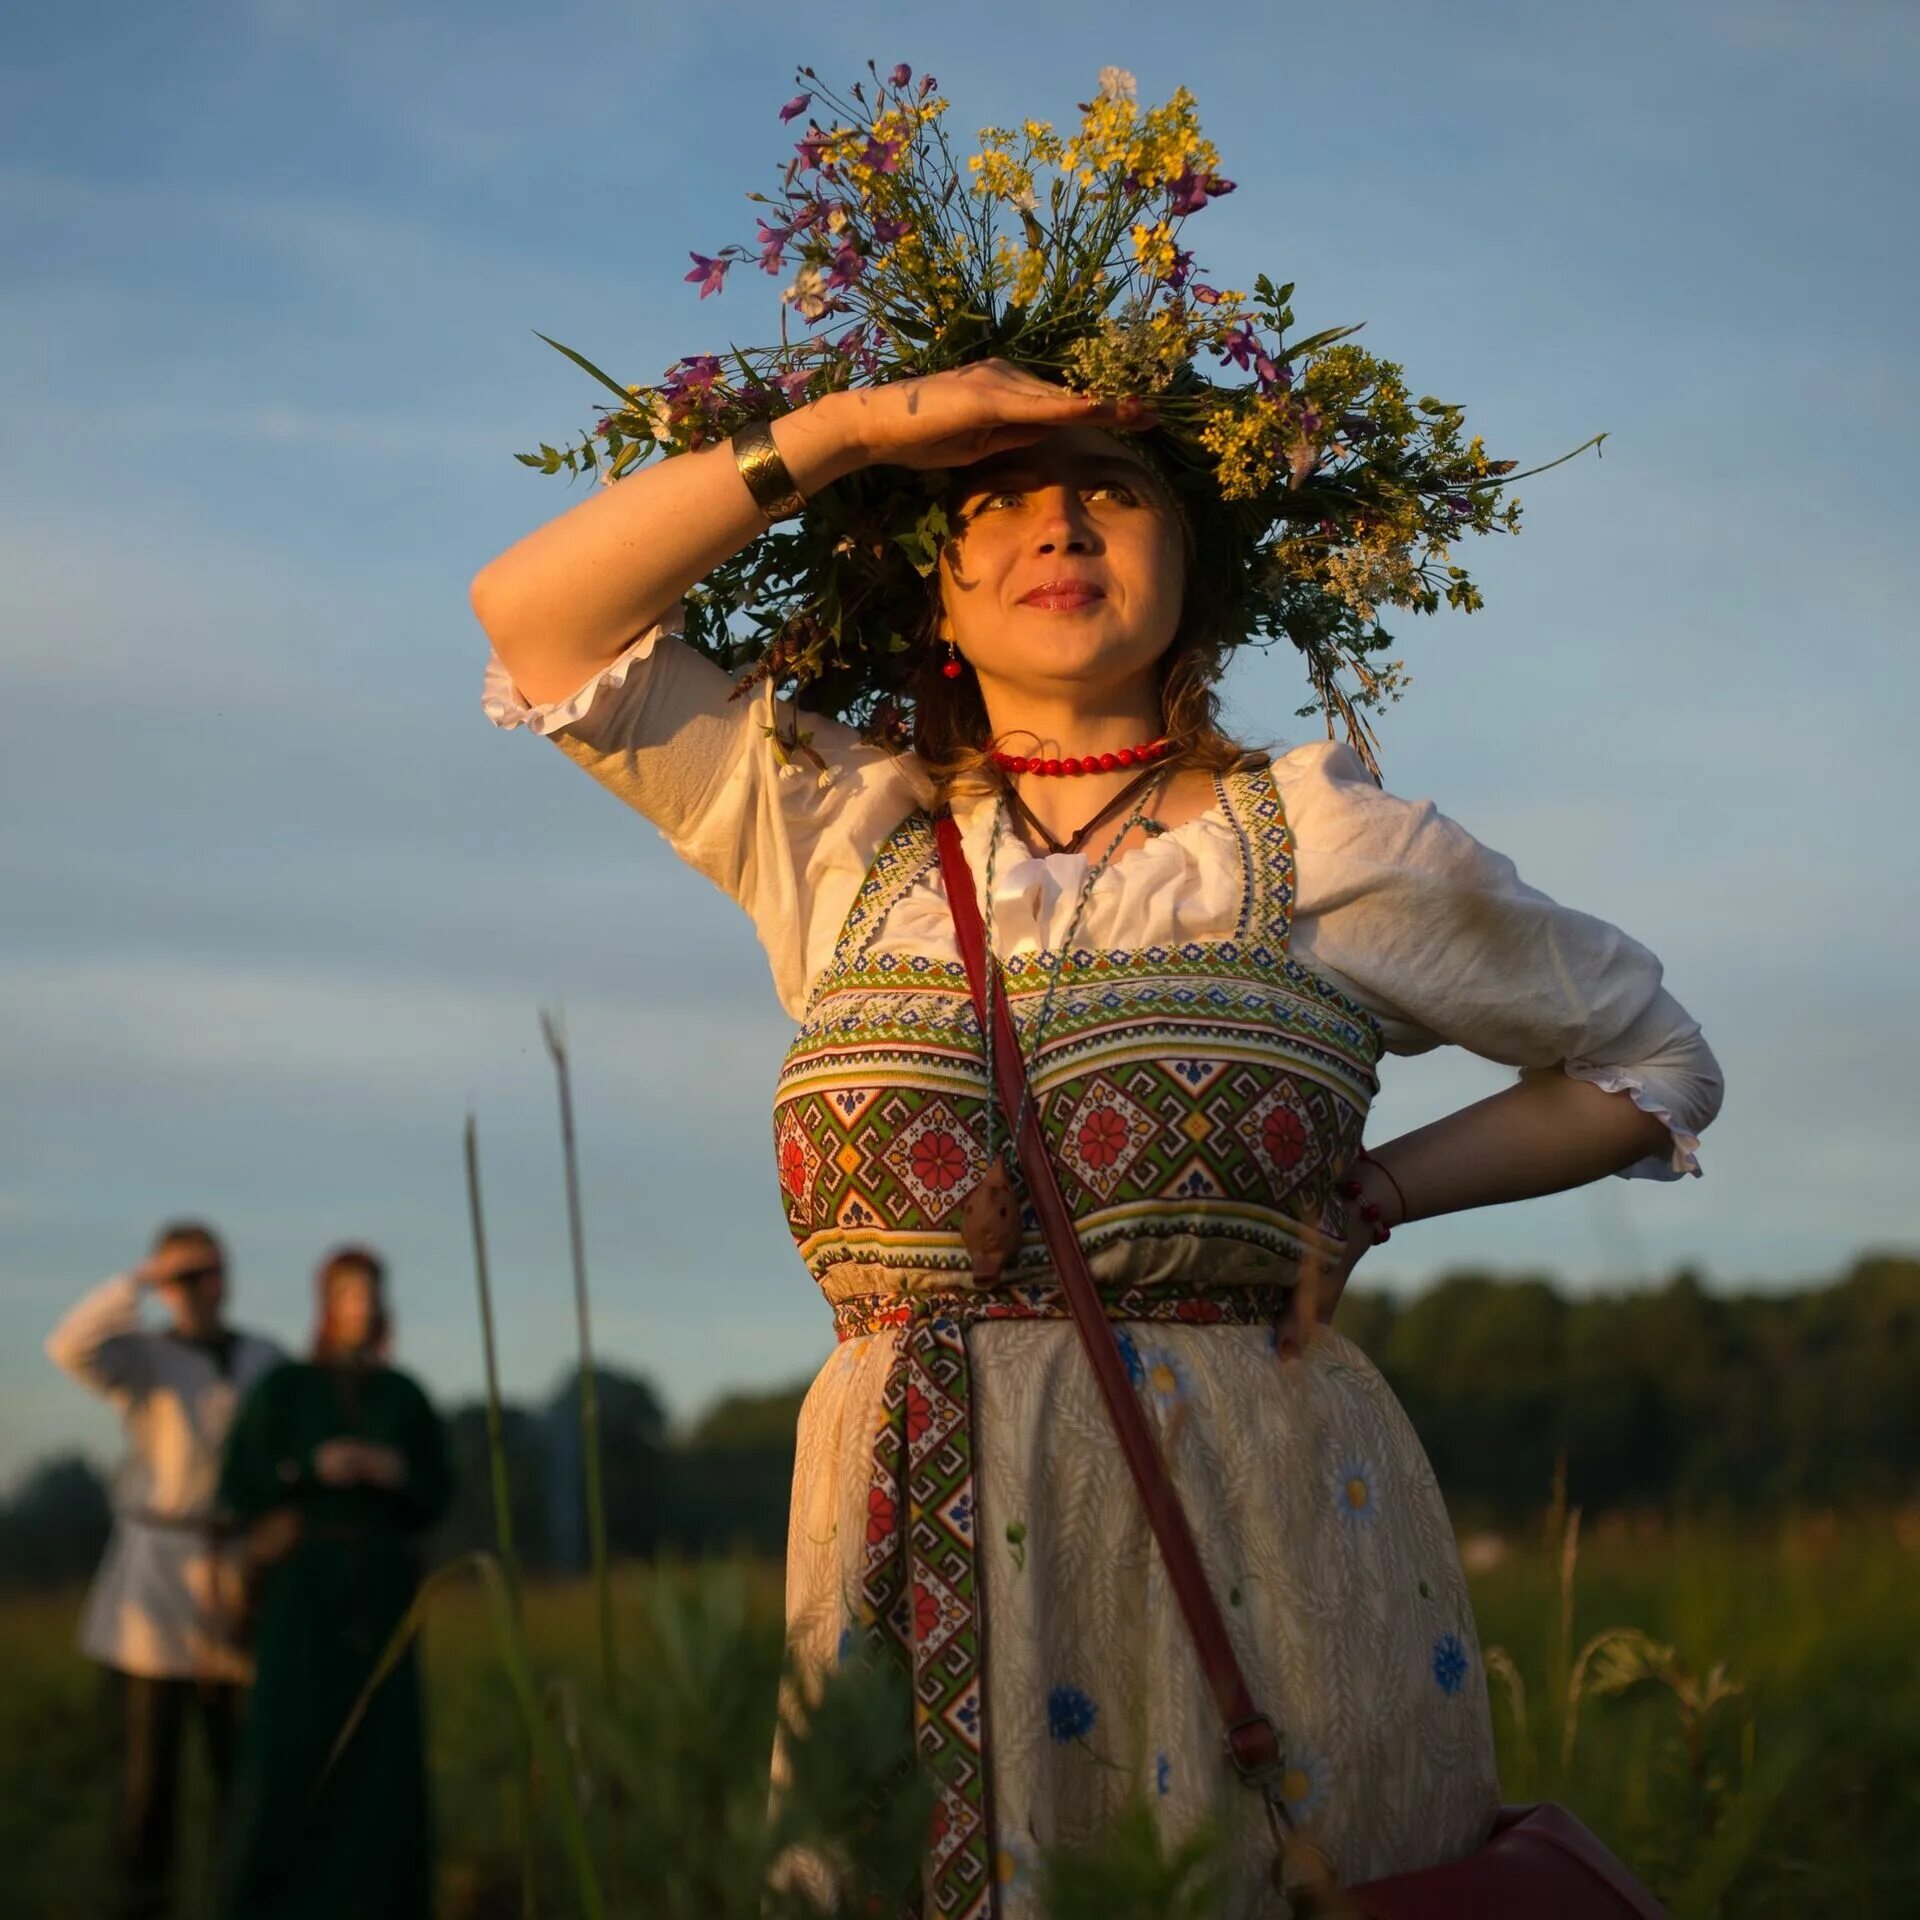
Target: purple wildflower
927 84
1207 296
796 106
886 229
1187 193
708 274
813 152
693 375
1240 346
793 385
772 242
1272 379
1182 267
848 264
899 77
883 156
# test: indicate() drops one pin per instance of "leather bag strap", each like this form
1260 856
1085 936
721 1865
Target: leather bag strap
1252 1741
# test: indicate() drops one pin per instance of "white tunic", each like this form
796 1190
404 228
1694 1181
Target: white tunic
1400 907
161 1604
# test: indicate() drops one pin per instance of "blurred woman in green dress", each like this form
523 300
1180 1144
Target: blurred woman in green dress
336 1467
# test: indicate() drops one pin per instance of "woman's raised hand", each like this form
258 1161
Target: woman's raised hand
953 419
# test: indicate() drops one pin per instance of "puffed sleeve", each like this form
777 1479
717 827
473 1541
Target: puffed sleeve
660 729
1440 938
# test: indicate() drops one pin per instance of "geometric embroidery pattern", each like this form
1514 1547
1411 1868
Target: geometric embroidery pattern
921 1590
1210 1089
1103 1136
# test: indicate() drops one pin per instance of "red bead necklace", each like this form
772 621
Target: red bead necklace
1144 755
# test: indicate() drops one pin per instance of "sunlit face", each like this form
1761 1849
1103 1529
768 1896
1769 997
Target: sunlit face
353 1307
1066 573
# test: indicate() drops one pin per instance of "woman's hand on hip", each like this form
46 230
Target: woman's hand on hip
1321 1285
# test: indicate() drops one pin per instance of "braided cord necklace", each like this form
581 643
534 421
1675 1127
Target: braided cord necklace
1137 817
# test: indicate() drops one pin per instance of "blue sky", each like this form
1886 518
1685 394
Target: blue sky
278 906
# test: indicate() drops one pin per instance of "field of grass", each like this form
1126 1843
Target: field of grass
1789 1785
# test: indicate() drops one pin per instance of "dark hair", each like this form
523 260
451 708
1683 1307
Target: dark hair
951 735
190 1233
352 1258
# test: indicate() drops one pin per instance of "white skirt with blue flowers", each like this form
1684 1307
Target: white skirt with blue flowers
1324 1536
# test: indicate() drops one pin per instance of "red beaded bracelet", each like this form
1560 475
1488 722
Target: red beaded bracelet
1369 1211
1386 1173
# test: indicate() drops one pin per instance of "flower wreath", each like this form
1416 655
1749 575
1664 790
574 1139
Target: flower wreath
1318 492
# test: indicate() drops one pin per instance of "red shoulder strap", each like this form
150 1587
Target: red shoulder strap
1252 1741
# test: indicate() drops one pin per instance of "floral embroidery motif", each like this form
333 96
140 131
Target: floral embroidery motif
1354 1493
1303 1784
1284 1135
938 1162
935 1158
1164 1378
1449 1663
1103 1136
1070 1714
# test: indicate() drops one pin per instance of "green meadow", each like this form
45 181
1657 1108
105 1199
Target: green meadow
1737 1711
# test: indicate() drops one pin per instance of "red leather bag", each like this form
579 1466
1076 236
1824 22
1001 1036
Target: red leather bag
1539 1863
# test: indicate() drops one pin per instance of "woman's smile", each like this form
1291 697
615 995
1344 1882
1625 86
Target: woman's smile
1063 596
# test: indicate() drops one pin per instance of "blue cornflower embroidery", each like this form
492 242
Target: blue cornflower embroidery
968 1713
1164 1378
846 1642
1354 1492
1303 1784
1130 1353
1070 1714
1449 1663
1162 1774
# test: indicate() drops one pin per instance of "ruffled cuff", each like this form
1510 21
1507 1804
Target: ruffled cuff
1685 1155
506 706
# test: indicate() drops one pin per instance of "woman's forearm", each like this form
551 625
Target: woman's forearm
1548 1133
563 602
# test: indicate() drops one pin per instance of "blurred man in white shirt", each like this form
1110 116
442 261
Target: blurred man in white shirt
161 1615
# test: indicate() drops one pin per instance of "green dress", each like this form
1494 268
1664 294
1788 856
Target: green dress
361 1844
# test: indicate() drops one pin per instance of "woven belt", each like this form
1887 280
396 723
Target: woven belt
1245 1306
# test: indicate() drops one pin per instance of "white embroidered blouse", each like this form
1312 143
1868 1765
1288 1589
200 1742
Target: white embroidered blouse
1396 905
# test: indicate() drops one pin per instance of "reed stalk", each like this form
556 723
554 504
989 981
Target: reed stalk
502 1507
496 1431
555 1035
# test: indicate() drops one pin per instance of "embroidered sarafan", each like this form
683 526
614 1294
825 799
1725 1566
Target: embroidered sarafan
1200 1100
1191 1094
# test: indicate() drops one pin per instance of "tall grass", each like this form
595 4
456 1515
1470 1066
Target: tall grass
555 1036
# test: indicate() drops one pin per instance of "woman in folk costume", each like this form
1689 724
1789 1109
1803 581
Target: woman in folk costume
162 1615
1029 534
337 1465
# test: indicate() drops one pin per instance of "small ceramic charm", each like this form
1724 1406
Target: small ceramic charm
990 1224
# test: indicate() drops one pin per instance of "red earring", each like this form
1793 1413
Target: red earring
952 668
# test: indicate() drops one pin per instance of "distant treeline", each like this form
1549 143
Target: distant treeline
1676 1398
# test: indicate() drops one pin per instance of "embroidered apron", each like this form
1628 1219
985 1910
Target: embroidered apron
1200 1100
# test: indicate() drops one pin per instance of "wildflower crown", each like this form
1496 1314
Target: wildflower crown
1315 492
